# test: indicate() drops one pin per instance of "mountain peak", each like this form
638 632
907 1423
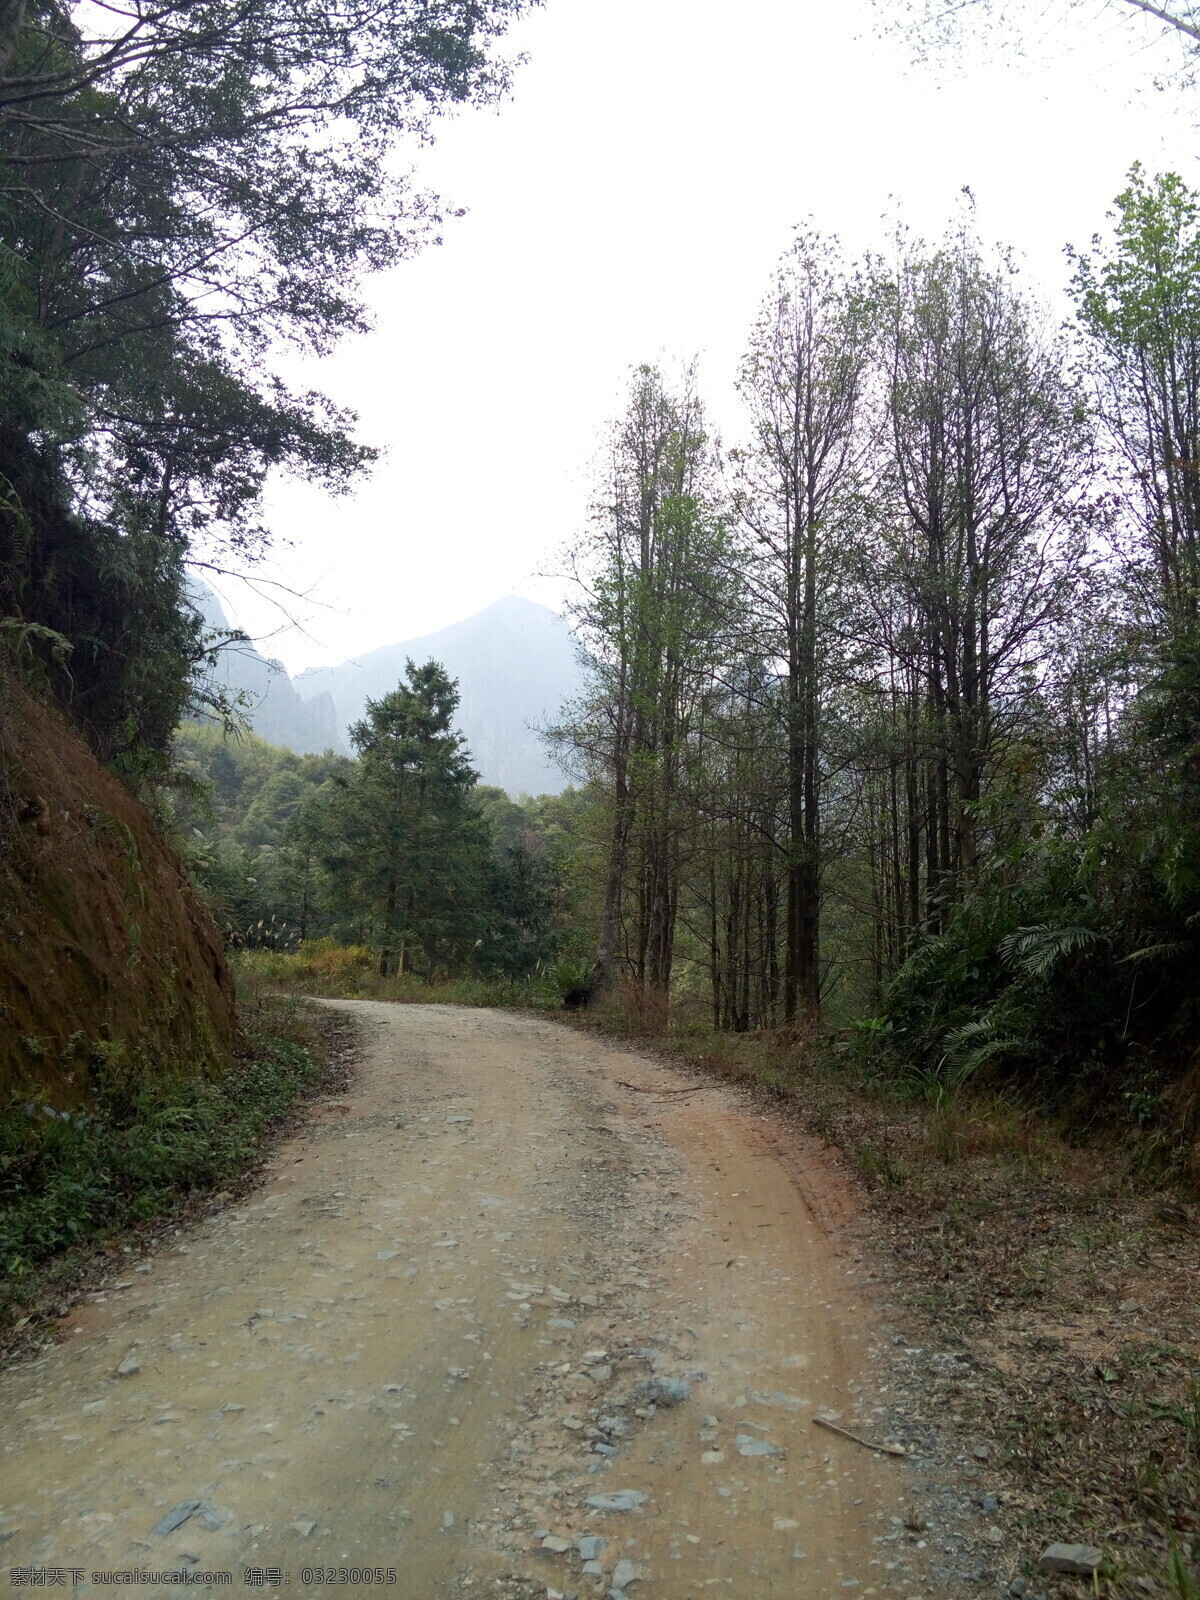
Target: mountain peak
514 662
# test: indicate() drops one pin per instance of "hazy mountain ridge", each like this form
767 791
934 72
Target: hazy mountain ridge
274 709
514 661
515 664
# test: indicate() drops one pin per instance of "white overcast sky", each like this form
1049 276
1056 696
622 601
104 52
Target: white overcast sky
628 203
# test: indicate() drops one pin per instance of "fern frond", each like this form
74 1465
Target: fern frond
1038 950
1154 952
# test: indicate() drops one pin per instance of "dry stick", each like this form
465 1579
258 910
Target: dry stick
643 1089
883 1449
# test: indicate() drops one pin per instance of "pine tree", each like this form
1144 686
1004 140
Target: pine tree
410 852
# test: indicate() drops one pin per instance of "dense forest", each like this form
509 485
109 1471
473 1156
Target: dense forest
895 707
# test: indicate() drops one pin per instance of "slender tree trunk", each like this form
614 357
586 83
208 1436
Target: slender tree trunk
614 887
389 925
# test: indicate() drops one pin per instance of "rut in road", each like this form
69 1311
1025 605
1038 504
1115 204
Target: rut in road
460 1307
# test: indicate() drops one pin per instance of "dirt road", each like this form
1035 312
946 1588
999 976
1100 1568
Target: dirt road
489 1285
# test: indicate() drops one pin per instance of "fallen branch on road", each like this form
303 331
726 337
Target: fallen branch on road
647 1089
883 1449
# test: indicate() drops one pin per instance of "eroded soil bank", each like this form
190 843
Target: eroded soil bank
511 1270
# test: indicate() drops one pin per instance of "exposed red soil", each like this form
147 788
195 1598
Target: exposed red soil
102 938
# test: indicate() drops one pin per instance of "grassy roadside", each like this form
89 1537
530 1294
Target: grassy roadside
1062 1269
341 972
80 1192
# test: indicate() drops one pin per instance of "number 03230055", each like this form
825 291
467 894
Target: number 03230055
348 1575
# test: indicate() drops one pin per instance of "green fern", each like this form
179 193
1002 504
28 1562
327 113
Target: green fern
1036 951
1154 952
980 1042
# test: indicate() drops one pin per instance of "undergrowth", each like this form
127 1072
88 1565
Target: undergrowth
145 1139
350 972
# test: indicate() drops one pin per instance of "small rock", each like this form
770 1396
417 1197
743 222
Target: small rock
590 1357
231 1406
574 1423
602 1449
747 1445
981 1452
664 1391
556 1545
617 1500
1082 1560
593 1569
994 1536
1019 1587
590 1546
303 1526
709 1458
447 1519
129 1367
988 1502
176 1517
624 1573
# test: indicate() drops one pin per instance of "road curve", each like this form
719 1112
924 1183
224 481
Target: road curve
512 1269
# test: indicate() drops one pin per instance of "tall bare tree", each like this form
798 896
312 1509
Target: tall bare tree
984 470
649 582
1139 304
803 384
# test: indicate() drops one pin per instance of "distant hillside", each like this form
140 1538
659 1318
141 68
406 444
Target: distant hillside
274 709
515 665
